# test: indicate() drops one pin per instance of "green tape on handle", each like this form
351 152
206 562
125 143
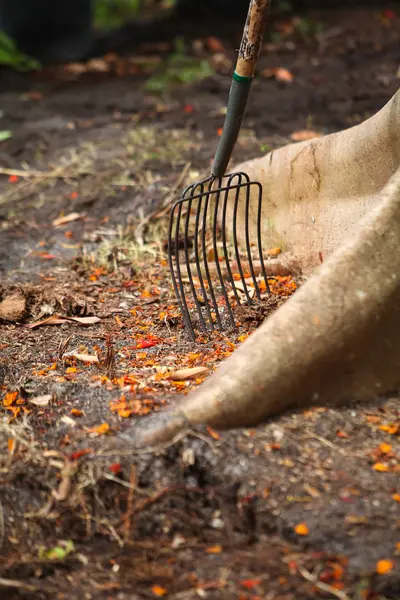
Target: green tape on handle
241 78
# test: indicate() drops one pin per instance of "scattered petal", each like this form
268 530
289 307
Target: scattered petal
217 549
385 448
381 467
76 412
384 566
100 429
250 583
158 591
301 529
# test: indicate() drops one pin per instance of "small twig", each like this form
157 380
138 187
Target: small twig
86 516
323 441
109 362
127 518
14 583
62 348
2 526
324 587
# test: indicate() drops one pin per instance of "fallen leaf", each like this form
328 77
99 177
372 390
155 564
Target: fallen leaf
80 453
392 429
147 343
214 434
76 412
98 65
158 591
53 320
214 549
373 419
304 134
384 566
100 429
396 497
88 358
250 583
385 448
58 552
41 400
58 320
381 467
5 134
301 529
125 413
74 216
185 374
115 468
75 68
214 44
279 73
10 398
342 434
273 252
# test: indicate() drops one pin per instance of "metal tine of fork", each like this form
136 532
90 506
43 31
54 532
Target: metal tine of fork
178 285
189 201
197 255
260 250
224 242
216 257
235 240
205 260
248 248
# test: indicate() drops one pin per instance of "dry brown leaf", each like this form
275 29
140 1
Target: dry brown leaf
74 216
98 65
41 400
53 320
88 358
76 68
304 134
273 252
279 73
58 320
214 44
190 373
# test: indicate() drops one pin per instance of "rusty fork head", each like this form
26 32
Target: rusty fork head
205 227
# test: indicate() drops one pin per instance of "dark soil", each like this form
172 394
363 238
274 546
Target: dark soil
214 515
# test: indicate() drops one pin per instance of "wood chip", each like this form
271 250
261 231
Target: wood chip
190 373
74 216
41 400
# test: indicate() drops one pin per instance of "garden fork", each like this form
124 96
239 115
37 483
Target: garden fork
197 233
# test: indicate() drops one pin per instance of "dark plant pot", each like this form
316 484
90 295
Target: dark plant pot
47 30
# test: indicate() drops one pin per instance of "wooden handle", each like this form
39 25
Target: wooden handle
252 38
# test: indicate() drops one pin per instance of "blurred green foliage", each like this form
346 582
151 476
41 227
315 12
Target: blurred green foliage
12 57
179 68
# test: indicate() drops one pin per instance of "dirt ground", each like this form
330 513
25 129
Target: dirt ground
305 506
